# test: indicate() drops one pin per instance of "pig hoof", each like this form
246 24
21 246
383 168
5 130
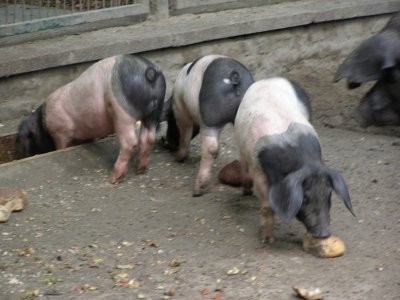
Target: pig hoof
266 236
197 193
140 170
181 157
267 240
168 146
114 179
247 192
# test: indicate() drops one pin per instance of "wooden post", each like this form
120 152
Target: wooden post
159 8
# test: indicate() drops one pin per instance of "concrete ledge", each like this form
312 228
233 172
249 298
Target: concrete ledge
181 31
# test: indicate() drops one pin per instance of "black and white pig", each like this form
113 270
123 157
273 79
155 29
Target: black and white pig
110 96
280 153
206 96
377 58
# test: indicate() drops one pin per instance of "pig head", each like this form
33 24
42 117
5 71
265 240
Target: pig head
300 185
32 137
376 59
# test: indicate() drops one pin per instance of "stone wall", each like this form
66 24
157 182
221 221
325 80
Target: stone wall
308 54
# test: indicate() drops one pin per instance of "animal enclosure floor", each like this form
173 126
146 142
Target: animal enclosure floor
148 238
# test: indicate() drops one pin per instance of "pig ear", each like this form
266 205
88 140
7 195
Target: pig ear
286 197
151 74
340 187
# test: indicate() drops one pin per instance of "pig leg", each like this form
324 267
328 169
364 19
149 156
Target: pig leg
266 212
61 129
62 141
146 142
246 179
127 140
209 150
185 127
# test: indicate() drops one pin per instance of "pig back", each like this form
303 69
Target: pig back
268 108
81 105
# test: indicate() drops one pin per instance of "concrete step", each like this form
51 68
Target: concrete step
178 31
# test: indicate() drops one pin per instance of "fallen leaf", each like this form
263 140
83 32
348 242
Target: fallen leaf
170 271
88 287
170 291
204 292
133 283
120 276
151 243
233 271
125 267
217 296
126 243
309 294
174 263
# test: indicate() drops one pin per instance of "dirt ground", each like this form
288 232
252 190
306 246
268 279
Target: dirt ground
148 238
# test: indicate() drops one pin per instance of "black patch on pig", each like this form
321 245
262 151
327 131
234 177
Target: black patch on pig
32 137
302 96
377 58
299 183
191 66
281 154
139 87
225 81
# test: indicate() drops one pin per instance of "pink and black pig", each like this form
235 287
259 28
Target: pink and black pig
280 154
206 96
109 97
376 59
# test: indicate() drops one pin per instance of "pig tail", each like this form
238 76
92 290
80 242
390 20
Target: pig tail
151 74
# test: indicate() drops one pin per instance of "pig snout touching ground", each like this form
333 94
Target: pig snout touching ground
206 96
376 59
109 97
280 153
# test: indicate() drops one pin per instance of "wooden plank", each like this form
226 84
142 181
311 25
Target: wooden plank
134 10
202 6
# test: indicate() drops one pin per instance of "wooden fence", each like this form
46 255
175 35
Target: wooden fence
28 16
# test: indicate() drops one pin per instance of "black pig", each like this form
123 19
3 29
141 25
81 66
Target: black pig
377 58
